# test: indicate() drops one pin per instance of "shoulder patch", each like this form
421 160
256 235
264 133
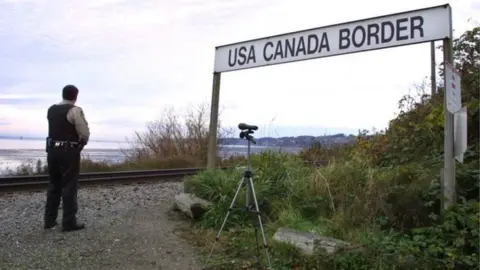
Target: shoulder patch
80 111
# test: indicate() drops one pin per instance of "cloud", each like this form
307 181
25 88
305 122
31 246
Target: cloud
4 122
475 5
131 59
19 102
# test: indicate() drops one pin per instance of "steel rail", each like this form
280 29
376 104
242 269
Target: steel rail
40 182
35 182
93 175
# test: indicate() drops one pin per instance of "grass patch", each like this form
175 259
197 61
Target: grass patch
379 209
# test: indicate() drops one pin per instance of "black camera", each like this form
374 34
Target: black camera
246 131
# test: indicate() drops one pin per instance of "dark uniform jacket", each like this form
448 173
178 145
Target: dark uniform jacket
66 122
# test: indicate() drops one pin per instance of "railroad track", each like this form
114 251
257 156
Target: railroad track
40 182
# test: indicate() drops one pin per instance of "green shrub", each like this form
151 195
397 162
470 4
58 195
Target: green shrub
388 211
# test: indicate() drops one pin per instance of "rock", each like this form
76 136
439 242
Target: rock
309 242
186 187
329 245
191 205
302 240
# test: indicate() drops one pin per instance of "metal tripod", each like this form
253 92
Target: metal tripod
247 181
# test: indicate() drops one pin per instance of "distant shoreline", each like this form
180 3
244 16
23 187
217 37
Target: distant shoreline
292 141
21 138
12 158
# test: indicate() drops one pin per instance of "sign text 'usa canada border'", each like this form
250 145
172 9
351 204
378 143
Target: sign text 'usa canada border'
399 29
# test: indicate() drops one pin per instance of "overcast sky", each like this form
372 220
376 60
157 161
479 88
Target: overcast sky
131 59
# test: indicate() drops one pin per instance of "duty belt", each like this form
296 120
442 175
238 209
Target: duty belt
62 144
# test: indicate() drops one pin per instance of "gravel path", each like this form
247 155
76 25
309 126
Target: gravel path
128 227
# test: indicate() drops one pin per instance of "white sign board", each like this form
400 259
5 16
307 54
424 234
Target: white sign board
453 88
399 29
460 133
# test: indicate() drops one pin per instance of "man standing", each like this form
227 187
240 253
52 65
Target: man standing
68 132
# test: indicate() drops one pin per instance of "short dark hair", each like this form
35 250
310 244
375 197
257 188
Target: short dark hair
70 92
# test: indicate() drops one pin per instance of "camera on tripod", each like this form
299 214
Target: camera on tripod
250 206
246 131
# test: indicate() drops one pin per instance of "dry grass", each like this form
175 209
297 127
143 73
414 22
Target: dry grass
173 136
173 141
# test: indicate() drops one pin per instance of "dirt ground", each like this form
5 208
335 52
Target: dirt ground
121 234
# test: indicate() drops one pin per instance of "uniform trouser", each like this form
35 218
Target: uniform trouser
63 170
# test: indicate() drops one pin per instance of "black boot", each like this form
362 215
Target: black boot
49 224
73 227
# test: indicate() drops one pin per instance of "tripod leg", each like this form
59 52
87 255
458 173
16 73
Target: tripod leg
259 264
225 219
257 209
248 192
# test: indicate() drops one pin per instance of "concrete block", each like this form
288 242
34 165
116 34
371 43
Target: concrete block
186 188
302 240
329 245
309 242
191 205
